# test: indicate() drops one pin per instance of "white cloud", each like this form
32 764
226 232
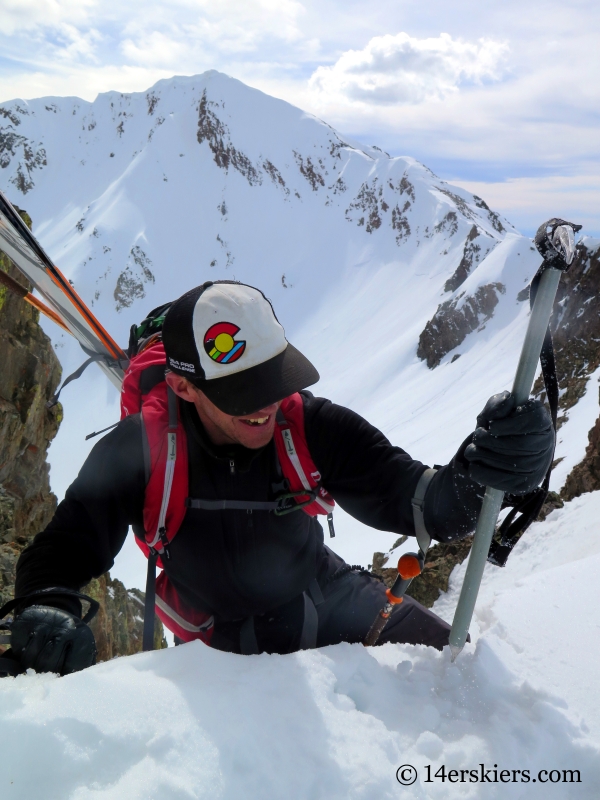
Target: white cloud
19 15
531 200
403 69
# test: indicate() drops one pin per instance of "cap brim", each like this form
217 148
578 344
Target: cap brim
258 387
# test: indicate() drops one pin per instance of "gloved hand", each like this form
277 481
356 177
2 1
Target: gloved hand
51 640
512 448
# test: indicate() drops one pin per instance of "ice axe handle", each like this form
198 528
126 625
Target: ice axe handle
409 566
524 377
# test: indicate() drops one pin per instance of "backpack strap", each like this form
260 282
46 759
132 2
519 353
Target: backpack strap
149 603
161 531
296 462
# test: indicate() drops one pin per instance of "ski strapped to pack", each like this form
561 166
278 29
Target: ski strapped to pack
61 299
526 509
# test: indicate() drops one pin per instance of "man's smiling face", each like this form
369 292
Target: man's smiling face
250 430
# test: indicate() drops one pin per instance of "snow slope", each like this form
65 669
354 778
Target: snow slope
206 170
191 722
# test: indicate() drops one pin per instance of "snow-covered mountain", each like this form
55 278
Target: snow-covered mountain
141 195
407 294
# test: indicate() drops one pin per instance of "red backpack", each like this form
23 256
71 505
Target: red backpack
166 502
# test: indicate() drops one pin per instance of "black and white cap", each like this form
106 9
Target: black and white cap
224 338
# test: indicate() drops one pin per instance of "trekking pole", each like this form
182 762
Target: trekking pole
409 566
555 241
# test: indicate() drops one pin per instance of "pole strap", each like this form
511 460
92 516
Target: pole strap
148 635
418 506
52 591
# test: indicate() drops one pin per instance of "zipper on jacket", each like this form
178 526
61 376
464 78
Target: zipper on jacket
231 466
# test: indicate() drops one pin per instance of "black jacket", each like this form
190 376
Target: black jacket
232 563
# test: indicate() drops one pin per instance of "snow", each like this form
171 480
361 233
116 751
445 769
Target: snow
191 722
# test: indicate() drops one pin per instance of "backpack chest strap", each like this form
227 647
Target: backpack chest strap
280 506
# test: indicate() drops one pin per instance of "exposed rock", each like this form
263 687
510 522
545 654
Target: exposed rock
119 625
213 131
368 206
15 146
132 281
339 187
575 326
454 320
29 377
152 101
585 476
448 224
441 560
308 170
404 186
459 202
473 253
275 175
492 215
552 502
400 222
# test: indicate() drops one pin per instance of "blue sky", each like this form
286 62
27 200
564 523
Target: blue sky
502 98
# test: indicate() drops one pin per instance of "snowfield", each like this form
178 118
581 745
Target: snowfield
140 197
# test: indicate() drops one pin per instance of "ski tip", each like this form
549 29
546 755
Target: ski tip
454 652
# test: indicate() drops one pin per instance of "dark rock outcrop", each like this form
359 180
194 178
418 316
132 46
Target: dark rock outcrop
215 133
476 249
575 326
454 320
14 147
585 476
118 626
29 376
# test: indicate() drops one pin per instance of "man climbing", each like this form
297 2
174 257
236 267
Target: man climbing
245 566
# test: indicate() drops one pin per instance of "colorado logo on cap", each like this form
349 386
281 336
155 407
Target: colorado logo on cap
220 344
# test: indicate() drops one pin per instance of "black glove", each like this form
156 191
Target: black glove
50 640
512 448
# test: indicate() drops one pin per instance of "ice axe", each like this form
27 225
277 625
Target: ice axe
555 240
409 566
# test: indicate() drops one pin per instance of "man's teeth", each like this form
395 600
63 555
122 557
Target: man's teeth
256 421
